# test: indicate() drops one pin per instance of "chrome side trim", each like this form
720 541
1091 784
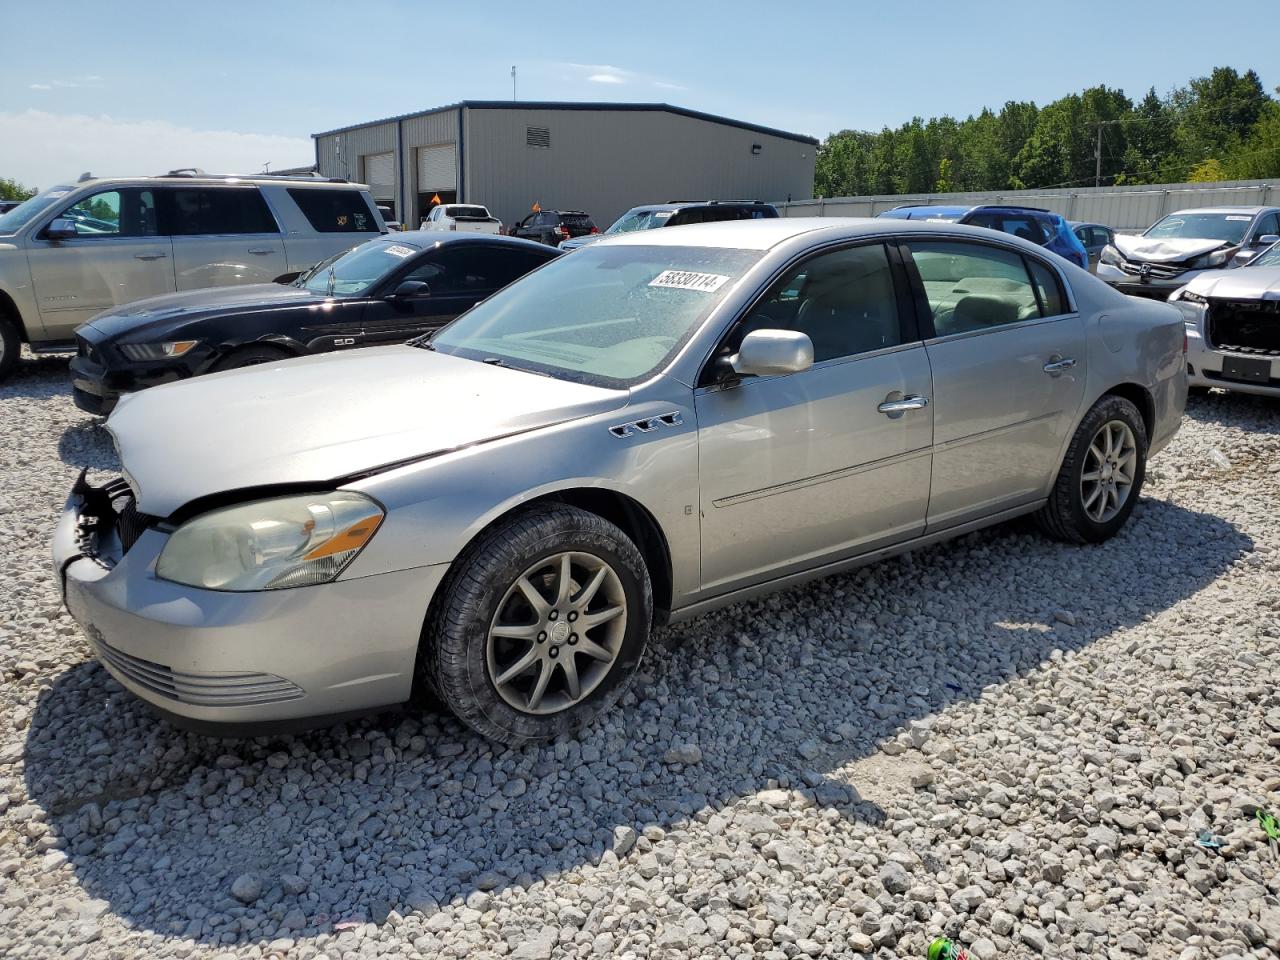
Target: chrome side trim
840 474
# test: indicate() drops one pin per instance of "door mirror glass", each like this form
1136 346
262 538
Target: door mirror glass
60 229
1266 240
772 353
412 290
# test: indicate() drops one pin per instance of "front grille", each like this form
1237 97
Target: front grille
1248 327
110 508
1160 271
131 523
196 689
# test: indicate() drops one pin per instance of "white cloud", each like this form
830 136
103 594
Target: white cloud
40 149
70 83
608 74
40 86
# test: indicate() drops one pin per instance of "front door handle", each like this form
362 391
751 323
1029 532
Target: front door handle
896 408
1057 365
149 256
262 253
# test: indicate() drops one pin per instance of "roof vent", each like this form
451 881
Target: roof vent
538 137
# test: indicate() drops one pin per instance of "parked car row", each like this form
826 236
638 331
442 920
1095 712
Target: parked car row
657 424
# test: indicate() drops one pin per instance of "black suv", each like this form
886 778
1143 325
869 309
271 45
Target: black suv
553 226
678 213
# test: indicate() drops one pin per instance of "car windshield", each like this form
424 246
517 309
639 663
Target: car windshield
1227 227
353 272
640 220
23 213
1268 258
608 315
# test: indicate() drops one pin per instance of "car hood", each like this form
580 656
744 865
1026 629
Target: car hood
574 242
1165 251
1248 283
191 303
321 418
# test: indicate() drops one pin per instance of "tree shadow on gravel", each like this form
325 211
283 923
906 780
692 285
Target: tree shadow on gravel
393 813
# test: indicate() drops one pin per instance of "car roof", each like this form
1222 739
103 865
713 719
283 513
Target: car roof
1225 208
183 180
425 239
766 234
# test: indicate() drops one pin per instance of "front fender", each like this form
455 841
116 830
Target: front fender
435 507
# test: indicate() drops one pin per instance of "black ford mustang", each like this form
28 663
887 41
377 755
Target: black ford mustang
387 290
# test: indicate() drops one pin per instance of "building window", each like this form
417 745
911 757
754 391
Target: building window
539 137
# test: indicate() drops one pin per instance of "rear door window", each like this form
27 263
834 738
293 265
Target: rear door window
335 211
973 286
216 211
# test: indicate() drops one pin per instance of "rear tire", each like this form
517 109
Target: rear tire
10 347
519 667
249 357
1101 475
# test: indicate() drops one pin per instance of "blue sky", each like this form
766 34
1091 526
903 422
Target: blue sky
129 87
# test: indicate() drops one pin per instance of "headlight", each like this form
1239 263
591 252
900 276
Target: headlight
156 351
1210 260
1187 296
271 544
1111 256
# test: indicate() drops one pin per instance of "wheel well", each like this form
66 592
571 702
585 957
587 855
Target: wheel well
638 524
10 309
1140 398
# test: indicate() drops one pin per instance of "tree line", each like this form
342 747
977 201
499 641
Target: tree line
1225 126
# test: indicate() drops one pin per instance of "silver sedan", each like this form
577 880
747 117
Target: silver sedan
661 424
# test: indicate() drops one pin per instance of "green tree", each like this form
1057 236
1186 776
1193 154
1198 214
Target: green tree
1259 156
1216 113
1207 171
944 184
13 190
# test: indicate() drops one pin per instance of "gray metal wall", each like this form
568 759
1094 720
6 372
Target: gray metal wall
1127 209
605 162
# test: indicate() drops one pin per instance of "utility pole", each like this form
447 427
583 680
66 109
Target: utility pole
1097 174
513 82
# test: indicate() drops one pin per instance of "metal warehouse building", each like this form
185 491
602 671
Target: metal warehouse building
599 157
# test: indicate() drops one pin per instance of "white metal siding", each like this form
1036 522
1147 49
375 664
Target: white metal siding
339 153
437 168
380 174
1128 209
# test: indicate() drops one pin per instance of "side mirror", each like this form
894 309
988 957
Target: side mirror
412 290
1266 240
60 229
772 353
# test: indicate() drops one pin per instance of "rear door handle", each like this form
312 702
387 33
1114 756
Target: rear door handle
149 256
896 408
1058 364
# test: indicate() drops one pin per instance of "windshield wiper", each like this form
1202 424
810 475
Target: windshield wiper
329 291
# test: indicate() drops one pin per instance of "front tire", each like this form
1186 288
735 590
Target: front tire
541 625
1101 476
249 357
10 347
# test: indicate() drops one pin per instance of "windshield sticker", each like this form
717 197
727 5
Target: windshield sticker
398 251
1234 217
662 214
684 280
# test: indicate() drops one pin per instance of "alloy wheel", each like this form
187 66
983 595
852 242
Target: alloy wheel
1110 465
557 633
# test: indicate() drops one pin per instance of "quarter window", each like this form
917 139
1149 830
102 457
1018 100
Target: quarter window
972 286
114 213
218 211
844 301
335 211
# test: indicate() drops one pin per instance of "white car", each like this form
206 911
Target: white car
1186 244
1233 326
462 217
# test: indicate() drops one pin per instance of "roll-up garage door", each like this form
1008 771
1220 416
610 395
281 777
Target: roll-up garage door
380 174
437 168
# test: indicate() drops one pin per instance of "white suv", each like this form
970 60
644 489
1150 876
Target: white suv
73 251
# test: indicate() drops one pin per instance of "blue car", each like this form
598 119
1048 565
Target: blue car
1043 227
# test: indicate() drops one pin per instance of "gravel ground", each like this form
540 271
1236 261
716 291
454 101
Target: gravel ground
1005 740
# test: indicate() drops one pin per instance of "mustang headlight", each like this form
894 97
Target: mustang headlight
156 351
1110 256
271 544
